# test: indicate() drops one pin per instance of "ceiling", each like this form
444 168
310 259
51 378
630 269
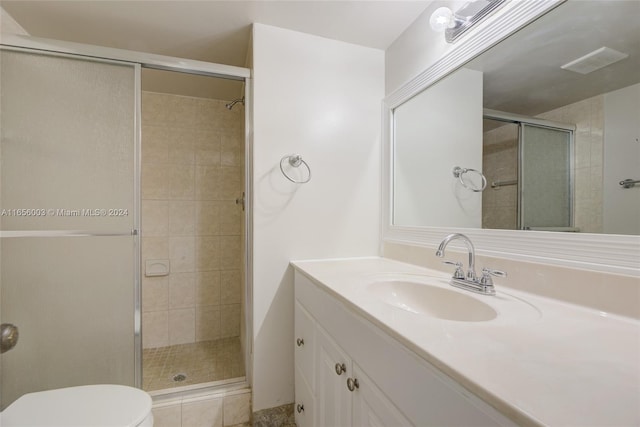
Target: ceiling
522 74
213 31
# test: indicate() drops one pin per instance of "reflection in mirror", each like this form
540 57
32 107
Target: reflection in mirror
550 117
429 146
529 165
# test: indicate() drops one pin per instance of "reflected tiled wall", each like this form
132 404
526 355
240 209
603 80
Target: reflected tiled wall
588 116
499 208
192 172
500 163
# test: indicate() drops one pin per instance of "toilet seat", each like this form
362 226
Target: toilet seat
102 405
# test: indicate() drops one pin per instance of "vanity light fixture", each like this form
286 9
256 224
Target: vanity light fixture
454 24
441 19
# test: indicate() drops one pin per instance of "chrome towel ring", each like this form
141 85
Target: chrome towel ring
629 183
295 160
458 172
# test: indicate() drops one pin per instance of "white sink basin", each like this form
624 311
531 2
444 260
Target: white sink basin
434 301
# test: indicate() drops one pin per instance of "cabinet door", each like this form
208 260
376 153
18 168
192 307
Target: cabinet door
305 330
304 407
371 408
333 398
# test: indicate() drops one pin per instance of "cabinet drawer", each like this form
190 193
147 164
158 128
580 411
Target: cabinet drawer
305 343
304 407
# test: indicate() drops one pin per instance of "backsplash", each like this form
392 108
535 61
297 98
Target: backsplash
606 292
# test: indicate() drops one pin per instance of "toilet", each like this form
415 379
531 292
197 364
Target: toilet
102 405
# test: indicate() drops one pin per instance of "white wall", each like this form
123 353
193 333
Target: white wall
319 98
621 210
436 130
417 48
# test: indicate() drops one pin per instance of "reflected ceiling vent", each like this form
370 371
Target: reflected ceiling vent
595 60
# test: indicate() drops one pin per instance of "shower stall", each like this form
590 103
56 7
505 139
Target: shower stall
192 233
123 251
528 164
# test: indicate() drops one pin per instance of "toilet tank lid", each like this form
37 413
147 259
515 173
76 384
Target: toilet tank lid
99 405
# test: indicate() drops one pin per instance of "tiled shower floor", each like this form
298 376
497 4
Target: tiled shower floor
200 362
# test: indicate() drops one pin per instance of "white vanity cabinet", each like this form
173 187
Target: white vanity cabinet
348 372
345 395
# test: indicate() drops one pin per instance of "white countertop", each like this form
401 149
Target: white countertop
564 366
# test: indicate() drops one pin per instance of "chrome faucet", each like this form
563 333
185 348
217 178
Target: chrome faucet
471 271
469 281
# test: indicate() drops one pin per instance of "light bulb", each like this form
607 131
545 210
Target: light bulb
441 19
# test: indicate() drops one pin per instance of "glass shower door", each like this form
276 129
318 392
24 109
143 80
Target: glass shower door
68 254
545 184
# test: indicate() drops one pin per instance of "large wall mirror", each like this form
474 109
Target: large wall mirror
539 133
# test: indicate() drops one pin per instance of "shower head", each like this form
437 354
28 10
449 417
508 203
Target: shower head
234 102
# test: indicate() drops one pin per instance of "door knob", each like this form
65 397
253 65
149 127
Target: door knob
8 337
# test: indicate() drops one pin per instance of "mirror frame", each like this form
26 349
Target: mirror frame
619 254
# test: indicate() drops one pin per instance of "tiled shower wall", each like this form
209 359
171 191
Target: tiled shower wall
192 172
499 207
500 163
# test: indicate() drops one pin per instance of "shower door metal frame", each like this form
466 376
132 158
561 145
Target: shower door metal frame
167 63
146 60
571 180
135 231
540 123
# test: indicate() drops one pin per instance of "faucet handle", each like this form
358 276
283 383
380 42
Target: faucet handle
459 273
487 273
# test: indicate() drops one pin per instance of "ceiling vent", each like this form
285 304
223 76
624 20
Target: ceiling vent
595 60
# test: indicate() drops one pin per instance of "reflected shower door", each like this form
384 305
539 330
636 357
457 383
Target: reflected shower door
68 260
545 184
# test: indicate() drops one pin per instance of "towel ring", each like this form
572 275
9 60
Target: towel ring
295 160
458 172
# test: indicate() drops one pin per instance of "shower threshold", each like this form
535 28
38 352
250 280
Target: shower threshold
195 365
201 389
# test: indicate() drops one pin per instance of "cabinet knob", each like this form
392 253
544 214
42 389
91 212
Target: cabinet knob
300 408
352 384
340 368
300 342
8 337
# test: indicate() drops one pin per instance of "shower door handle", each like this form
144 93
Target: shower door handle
8 337
240 201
